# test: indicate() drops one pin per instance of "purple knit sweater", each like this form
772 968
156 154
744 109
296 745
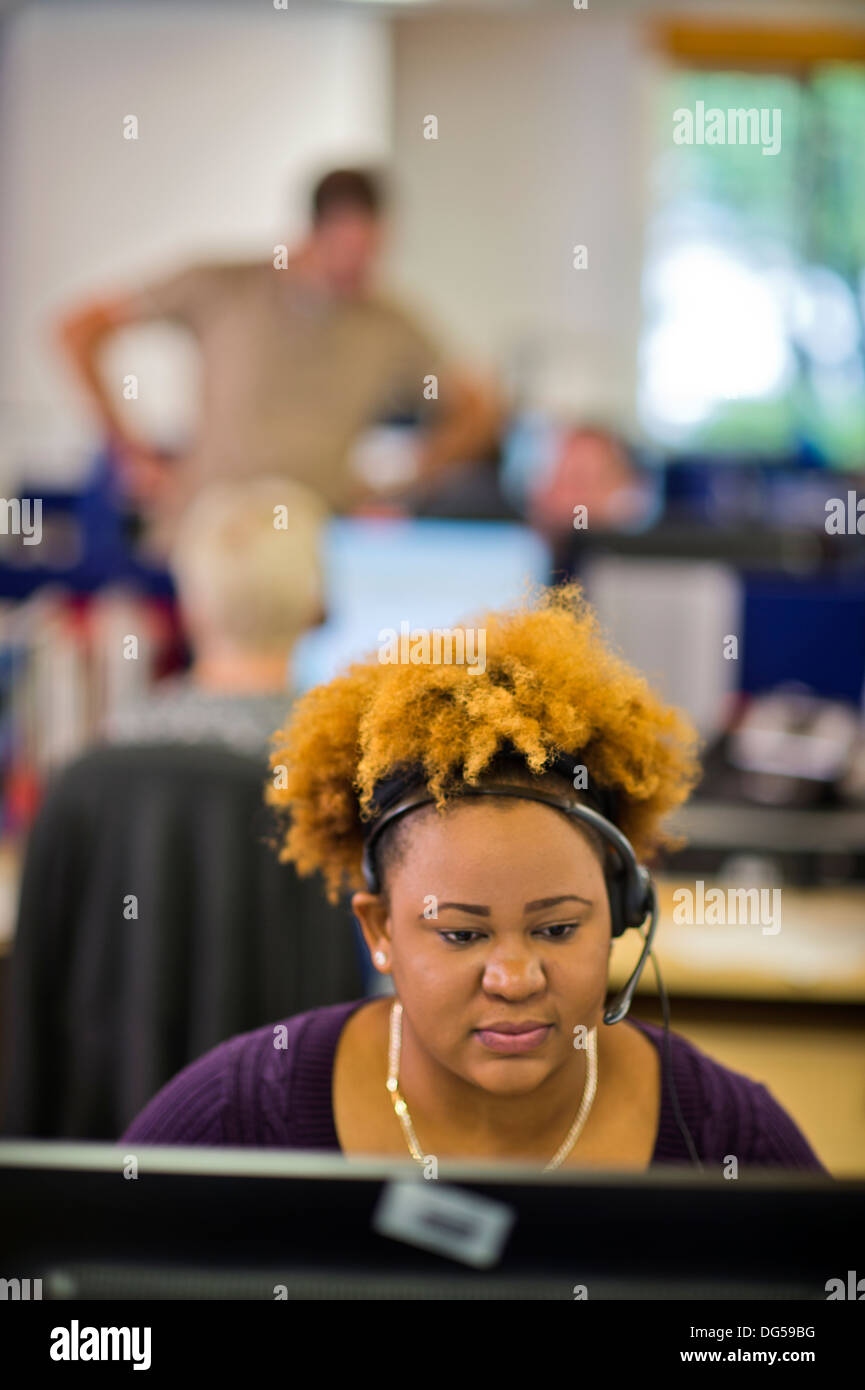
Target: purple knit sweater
250 1091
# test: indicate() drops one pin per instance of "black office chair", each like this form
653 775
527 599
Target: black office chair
154 922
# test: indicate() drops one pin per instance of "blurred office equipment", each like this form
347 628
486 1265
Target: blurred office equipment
427 573
779 776
790 747
671 620
65 606
231 1225
144 940
806 629
63 676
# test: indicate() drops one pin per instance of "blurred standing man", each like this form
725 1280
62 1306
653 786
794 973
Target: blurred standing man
297 362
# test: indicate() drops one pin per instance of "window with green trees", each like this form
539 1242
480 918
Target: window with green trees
754 286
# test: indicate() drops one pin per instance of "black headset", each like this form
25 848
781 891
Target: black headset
631 892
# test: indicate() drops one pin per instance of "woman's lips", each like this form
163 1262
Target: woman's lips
524 1041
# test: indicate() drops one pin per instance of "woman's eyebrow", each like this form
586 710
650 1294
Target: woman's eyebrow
553 902
466 907
534 906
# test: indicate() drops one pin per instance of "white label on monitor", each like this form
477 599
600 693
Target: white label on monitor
448 1220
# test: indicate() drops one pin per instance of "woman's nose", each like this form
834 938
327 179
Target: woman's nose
513 973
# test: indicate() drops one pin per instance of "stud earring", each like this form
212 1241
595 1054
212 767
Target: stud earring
380 958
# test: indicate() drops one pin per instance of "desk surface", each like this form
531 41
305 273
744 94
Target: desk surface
817 955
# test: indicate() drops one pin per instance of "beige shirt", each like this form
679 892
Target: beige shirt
290 376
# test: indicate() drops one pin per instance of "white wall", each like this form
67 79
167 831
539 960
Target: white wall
237 104
541 146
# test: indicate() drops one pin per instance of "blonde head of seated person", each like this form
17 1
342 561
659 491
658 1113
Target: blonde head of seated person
247 567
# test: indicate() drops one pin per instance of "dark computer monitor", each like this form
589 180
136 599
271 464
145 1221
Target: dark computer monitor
253 1224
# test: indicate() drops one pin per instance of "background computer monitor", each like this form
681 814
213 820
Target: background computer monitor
428 573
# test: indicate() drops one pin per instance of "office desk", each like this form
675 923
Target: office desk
818 955
783 1009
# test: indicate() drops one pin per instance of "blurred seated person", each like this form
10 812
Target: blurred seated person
591 468
247 569
300 355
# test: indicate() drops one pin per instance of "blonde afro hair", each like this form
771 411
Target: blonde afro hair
550 685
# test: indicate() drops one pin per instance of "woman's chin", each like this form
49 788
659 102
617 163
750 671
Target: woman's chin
510 1076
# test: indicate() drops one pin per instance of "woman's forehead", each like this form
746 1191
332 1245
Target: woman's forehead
491 818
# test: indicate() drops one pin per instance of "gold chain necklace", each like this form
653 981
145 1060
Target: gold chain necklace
402 1110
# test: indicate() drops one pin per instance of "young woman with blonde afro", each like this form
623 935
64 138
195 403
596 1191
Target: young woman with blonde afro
491 914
